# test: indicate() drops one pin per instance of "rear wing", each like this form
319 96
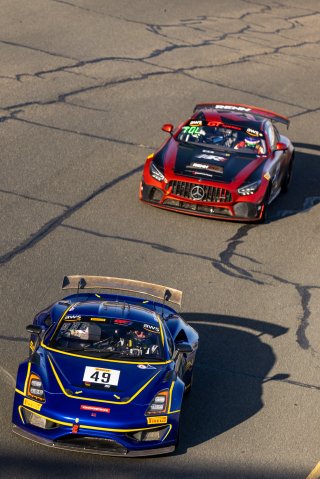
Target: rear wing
244 109
164 293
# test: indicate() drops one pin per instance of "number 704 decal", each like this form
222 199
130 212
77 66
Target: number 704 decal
101 376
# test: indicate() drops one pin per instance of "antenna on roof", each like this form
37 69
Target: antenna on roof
167 295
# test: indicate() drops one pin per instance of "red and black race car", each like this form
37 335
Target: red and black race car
227 161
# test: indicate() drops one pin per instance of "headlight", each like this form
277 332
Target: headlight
159 404
35 388
155 173
249 189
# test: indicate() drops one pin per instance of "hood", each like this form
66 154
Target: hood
101 379
193 161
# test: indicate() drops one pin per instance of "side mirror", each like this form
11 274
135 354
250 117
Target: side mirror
167 127
183 348
34 329
281 146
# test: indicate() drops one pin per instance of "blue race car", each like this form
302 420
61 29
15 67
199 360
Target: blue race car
107 373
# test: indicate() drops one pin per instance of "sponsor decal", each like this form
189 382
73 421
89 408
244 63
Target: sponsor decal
232 107
106 377
192 130
145 366
98 319
214 123
267 176
195 123
198 165
33 404
206 156
84 407
201 173
72 316
150 156
157 420
31 346
204 166
252 132
150 327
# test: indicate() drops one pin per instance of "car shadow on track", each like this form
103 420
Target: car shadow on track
303 191
230 368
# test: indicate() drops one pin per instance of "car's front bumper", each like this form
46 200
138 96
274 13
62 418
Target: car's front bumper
110 447
243 210
126 433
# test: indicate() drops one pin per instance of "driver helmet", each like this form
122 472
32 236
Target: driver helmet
252 142
139 334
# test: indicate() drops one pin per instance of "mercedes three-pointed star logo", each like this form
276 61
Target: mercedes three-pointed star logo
197 193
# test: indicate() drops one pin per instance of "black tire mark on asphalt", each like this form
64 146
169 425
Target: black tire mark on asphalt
89 135
32 198
225 264
226 267
169 48
261 379
51 225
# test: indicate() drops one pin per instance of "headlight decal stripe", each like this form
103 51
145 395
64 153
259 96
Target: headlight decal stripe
170 396
27 379
170 427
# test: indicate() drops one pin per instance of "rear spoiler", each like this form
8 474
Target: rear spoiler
244 109
106 282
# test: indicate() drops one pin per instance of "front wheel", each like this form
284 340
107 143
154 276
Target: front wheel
287 178
265 204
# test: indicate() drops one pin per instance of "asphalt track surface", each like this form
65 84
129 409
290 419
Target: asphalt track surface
85 86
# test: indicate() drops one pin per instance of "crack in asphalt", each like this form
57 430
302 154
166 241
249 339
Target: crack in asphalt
154 28
261 379
81 133
225 266
33 198
225 263
38 50
53 223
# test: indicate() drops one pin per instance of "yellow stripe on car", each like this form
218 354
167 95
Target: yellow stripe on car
98 400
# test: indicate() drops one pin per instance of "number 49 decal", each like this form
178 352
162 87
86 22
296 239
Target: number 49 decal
101 376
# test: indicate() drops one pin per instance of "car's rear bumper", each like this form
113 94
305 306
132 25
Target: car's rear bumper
112 448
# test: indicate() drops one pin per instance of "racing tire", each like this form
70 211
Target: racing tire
265 204
287 178
189 386
177 443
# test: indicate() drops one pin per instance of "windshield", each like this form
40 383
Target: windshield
107 337
246 140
